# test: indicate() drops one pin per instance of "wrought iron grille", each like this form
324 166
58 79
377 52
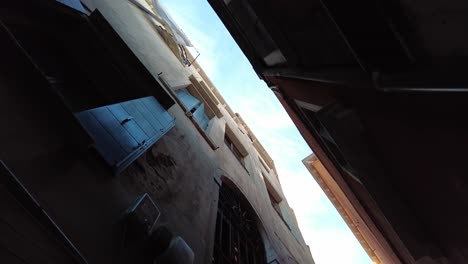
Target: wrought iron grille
237 239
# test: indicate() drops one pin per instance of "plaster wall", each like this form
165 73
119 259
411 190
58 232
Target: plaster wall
51 154
138 31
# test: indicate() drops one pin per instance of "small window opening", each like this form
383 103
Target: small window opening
194 106
234 149
263 164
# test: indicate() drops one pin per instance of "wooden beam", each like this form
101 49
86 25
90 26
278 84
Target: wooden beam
205 94
381 228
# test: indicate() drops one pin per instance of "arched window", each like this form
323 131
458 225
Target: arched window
237 237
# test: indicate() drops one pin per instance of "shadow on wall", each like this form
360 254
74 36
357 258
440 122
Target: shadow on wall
154 171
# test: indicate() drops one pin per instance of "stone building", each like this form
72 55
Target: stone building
378 91
117 148
347 208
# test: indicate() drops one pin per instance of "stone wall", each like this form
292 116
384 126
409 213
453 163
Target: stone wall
53 157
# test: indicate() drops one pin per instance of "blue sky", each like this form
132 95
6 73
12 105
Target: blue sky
329 238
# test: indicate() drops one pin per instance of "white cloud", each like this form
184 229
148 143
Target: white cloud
332 246
303 194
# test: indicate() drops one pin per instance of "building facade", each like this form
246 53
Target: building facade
371 86
376 247
119 149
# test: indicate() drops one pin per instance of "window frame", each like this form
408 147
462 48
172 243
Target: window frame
264 165
191 110
204 133
235 151
235 146
122 132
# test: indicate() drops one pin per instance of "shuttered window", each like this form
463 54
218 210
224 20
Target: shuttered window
196 107
123 131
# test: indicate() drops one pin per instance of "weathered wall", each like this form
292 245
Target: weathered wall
140 35
80 193
252 185
48 151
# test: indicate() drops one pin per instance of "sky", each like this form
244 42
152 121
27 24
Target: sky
329 238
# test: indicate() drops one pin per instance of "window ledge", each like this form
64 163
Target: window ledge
189 115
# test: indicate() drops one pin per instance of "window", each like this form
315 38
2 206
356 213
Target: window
275 198
263 164
194 106
274 195
124 131
234 149
237 236
275 204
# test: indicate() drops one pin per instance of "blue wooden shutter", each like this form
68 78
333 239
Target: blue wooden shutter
201 117
187 99
123 131
75 4
192 103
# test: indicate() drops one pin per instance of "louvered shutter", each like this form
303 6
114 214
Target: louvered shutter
123 131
